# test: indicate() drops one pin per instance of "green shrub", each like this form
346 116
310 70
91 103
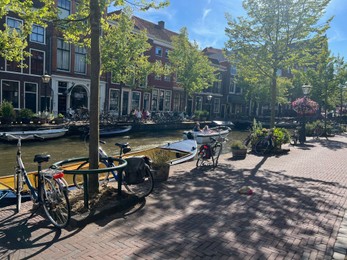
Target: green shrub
7 112
26 113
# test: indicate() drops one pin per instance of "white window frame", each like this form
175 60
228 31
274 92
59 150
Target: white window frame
36 94
216 105
64 50
43 36
82 53
158 51
18 93
44 60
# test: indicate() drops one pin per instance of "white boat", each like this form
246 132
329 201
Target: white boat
203 137
42 133
186 146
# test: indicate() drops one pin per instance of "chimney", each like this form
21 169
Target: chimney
161 24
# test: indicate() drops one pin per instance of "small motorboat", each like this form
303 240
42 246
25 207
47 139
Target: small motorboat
175 152
203 136
41 133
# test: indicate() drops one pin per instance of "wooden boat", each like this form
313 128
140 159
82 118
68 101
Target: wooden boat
175 152
203 137
43 133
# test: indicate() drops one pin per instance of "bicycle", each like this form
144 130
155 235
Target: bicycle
137 176
264 145
209 151
51 191
294 138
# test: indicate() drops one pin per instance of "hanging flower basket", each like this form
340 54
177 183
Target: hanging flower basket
305 106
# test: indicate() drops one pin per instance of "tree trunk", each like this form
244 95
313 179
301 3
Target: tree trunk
95 17
273 98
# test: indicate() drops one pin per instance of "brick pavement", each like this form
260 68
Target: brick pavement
295 213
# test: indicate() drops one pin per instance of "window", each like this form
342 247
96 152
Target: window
216 105
37 62
146 104
114 100
135 100
30 96
80 60
157 77
176 102
64 8
155 99
37 34
143 81
166 53
14 24
167 101
198 103
161 100
63 55
10 92
167 78
158 51
233 70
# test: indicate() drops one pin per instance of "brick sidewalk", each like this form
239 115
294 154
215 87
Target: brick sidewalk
296 212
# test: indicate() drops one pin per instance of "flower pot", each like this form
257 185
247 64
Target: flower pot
239 154
160 172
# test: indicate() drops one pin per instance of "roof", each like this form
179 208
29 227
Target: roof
156 31
214 54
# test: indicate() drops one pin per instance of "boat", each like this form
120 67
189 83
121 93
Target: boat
112 131
31 134
203 136
176 152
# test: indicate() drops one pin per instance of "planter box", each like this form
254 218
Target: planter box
239 154
160 172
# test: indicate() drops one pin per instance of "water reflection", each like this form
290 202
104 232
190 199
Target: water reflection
69 147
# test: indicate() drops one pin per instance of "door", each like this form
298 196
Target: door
125 102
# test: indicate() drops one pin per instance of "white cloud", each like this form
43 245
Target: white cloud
206 11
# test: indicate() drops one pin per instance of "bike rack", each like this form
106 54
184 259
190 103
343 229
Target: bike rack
118 168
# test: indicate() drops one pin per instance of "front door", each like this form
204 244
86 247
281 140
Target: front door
125 102
79 97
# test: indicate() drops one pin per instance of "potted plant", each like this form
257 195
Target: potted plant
239 150
25 115
59 119
7 112
160 165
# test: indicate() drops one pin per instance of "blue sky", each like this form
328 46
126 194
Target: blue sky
205 20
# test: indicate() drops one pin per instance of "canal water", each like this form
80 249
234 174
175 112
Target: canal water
74 146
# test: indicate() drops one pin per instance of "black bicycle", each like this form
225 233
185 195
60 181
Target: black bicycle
137 176
209 152
264 145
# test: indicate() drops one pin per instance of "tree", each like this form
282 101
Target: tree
13 42
85 29
275 35
193 68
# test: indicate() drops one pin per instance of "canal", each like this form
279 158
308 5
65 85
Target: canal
74 146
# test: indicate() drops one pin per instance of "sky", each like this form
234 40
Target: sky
206 22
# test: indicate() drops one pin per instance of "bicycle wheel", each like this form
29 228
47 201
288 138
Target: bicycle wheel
78 178
261 146
217 150
202 154
56 202
18 186
318 132
143 188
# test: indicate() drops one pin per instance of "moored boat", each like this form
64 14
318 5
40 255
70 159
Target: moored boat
203 136
176 152
42 133
113 131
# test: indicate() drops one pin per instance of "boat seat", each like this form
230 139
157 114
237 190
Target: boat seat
39 158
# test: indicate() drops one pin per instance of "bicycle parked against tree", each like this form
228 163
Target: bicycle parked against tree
51 190
209 152
137 176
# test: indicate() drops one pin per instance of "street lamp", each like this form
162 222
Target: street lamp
306 89
45 80
209 98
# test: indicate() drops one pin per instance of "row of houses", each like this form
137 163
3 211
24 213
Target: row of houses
57 77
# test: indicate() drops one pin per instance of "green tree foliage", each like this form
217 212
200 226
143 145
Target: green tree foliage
13 42
194 70
275 35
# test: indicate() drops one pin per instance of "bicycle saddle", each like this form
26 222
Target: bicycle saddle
39 158
122 145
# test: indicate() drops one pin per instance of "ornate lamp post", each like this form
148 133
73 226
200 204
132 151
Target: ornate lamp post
306 89
209 98
45 80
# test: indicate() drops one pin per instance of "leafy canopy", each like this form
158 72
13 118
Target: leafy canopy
193 68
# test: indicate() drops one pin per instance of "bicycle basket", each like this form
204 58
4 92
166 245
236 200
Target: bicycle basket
135 170
205 151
